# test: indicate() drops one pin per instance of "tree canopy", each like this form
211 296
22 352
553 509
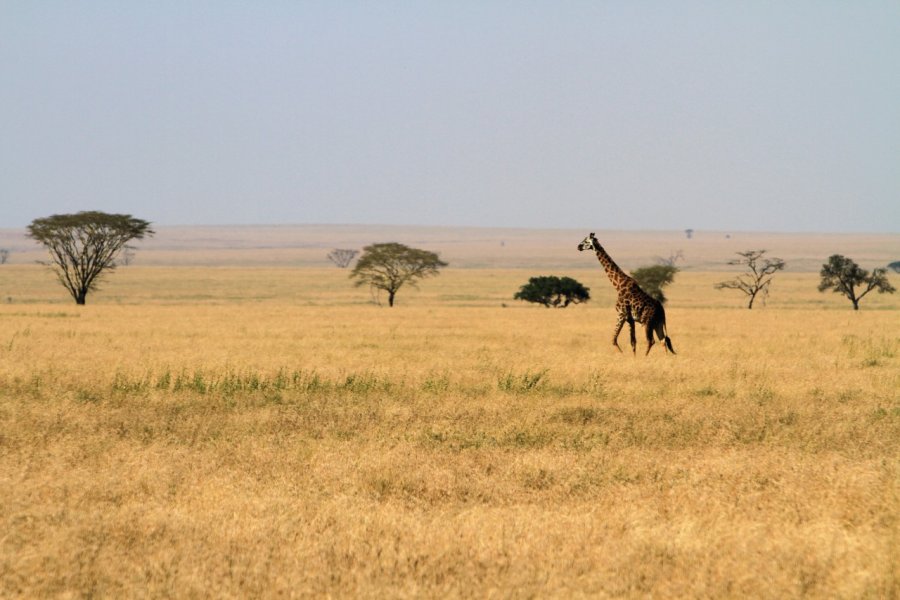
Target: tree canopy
654 278
84 245
389 266
844 276
553 291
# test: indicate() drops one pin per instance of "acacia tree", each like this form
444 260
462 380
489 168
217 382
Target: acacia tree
844 276
389 266
672 260
760 275
84 245
342 257
553 291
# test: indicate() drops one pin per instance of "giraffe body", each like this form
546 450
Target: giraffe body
632 303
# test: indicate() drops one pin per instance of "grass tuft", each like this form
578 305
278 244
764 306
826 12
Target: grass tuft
529 381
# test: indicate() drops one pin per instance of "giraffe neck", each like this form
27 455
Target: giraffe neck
616 275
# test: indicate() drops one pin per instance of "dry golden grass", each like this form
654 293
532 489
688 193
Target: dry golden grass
260 432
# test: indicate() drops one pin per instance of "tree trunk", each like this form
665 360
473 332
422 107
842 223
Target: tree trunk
80 298
855 303
390 297
752 298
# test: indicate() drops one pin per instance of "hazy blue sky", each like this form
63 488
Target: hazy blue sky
755 115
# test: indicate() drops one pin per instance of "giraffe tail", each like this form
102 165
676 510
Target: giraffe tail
662 332
669 345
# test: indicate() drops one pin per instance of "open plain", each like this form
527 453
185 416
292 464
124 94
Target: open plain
241 421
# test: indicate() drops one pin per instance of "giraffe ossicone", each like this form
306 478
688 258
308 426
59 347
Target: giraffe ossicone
632 303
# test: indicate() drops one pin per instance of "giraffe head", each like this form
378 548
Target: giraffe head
587 243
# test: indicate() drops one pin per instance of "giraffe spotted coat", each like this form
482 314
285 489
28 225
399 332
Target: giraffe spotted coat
632 303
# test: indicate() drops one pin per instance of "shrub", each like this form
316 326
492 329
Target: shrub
549 290
653 279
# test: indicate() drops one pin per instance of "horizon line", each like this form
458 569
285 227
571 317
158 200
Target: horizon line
508 228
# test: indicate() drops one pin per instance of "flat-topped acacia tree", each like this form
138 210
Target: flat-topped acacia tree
388 266
84 245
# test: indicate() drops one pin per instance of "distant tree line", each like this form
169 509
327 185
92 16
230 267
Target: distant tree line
85 246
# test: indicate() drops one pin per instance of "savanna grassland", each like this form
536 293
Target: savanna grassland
232 431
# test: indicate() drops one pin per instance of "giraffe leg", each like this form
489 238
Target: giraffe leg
649 331
619 324
631 331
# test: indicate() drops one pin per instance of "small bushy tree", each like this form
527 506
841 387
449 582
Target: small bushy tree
552 291
4 256
389 266
654 278
844 276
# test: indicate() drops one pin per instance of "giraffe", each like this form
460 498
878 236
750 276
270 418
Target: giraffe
633 303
